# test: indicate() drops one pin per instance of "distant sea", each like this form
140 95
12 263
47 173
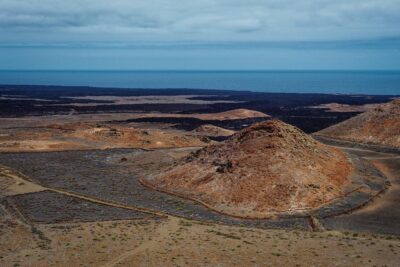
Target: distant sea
342 82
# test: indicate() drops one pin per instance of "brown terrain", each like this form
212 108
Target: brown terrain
380 125
134 100
234 114
212 130
336 107
77 136
266 168
72 132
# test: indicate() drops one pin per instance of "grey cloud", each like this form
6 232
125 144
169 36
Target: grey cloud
73 14
254 20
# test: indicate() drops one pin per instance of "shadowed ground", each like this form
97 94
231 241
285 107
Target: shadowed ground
383 214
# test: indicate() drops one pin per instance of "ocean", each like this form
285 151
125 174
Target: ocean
333 82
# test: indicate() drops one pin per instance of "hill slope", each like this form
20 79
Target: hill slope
266 168
380 126
212 130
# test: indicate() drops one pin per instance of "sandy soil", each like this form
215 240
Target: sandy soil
135 100
11 184
234 114
82 244
77 132
126 100
212 130
191 244
336 107
178 242
88 135
43 121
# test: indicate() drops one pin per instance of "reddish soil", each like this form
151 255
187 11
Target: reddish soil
267 168
212 130
234 114
84 131
336 107
380 126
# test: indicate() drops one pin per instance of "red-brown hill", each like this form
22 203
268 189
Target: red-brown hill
266 168
380 125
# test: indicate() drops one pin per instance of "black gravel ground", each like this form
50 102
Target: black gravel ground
101 174
52 207
348 144
384 219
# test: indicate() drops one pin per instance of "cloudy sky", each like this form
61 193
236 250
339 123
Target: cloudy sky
206 34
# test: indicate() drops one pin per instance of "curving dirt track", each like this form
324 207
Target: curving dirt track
382 215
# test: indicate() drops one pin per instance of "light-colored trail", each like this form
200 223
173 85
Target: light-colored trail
384 165
162 232
19 184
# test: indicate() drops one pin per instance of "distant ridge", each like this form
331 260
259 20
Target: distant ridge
234 114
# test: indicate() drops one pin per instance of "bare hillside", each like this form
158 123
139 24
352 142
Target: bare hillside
380 126
266 168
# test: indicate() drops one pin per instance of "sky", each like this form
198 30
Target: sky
200 35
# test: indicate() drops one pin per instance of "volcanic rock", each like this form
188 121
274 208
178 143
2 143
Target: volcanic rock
267 168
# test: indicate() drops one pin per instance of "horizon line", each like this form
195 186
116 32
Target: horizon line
199 70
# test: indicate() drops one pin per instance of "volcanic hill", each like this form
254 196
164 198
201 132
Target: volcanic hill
380 126
264 169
